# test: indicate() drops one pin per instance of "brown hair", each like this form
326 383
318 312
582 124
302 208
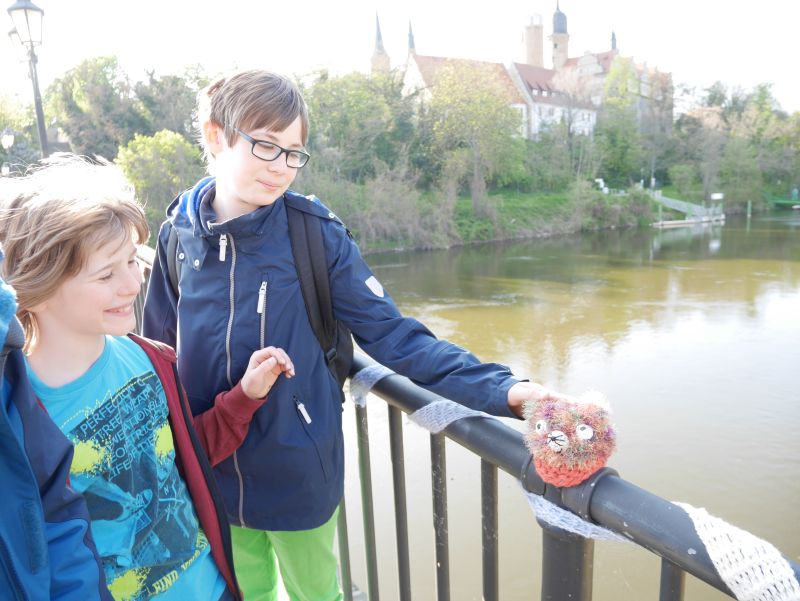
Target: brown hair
53 218
249 100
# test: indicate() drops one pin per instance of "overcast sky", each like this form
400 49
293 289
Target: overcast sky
740 43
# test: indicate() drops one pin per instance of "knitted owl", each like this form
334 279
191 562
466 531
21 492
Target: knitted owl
570 439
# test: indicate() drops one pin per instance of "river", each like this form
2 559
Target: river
693 335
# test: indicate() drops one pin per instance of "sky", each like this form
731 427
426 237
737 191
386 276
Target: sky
740 42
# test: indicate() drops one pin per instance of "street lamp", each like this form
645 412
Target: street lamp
27 18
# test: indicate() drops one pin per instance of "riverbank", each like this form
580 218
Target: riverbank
514 216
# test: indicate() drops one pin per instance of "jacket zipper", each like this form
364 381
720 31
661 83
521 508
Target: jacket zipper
303 412
302 409
261 309
223 246
223 240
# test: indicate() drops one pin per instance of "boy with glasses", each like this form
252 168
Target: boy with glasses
238 283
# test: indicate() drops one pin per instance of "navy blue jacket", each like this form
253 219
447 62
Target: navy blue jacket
46 550
239 292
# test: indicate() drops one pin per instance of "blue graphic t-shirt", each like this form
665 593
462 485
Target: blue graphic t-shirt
142 517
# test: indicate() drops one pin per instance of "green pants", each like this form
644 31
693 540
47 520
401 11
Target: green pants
308 565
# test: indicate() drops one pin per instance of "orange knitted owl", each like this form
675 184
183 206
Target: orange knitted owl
569 439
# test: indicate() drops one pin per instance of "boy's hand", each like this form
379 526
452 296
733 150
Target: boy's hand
263 369
523 391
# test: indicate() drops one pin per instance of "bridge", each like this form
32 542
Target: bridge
695 213
604 507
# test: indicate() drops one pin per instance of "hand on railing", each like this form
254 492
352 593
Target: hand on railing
521 392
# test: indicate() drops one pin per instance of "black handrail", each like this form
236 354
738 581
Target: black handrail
604 499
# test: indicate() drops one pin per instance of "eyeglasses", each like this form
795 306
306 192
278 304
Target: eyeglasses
269 151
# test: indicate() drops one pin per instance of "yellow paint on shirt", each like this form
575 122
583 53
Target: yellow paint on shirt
128 585
164 442
88 457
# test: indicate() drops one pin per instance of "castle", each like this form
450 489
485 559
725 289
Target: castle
571 91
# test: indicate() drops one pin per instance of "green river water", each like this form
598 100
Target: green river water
693 335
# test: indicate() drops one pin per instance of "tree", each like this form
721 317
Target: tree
576 94
617 131
740 175
471 113
683 176
94 105
21 120
159 167
699 138
655 120
548 161
169 101
366 118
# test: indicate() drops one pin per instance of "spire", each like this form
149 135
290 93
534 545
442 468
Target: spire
411 48
613 40
380 59
559 20
378 36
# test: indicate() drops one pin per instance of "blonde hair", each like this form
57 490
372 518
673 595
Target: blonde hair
53 218
250 100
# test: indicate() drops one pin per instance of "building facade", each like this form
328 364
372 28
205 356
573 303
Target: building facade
569 94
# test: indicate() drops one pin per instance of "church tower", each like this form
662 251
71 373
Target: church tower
411 48
560 39
380 59
534 42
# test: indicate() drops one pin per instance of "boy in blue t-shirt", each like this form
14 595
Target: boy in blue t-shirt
69 233
48 553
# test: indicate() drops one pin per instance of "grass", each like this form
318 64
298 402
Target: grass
517 215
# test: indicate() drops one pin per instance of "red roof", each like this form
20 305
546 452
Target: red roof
539 79
431 66
604 58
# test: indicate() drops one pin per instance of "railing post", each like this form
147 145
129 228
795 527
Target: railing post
567 560
491 588
366 502
344 552
673 580
400 510
439 483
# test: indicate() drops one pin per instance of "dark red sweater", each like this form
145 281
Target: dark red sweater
200 442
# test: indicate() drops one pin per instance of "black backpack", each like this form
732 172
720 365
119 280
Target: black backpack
308 250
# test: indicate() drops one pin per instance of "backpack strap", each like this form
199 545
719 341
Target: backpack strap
173 266
308 250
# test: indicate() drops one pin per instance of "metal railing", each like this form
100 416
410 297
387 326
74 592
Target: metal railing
567 559
690 209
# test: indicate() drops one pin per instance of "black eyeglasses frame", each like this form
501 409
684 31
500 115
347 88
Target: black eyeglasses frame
254 142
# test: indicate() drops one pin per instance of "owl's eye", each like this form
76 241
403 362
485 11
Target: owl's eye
584 432
541 427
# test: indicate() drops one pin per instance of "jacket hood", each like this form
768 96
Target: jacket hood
185 209
10 331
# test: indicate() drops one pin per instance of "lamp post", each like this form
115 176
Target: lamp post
27 18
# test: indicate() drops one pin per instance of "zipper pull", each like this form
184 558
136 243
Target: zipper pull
223 246
302 409
262 298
